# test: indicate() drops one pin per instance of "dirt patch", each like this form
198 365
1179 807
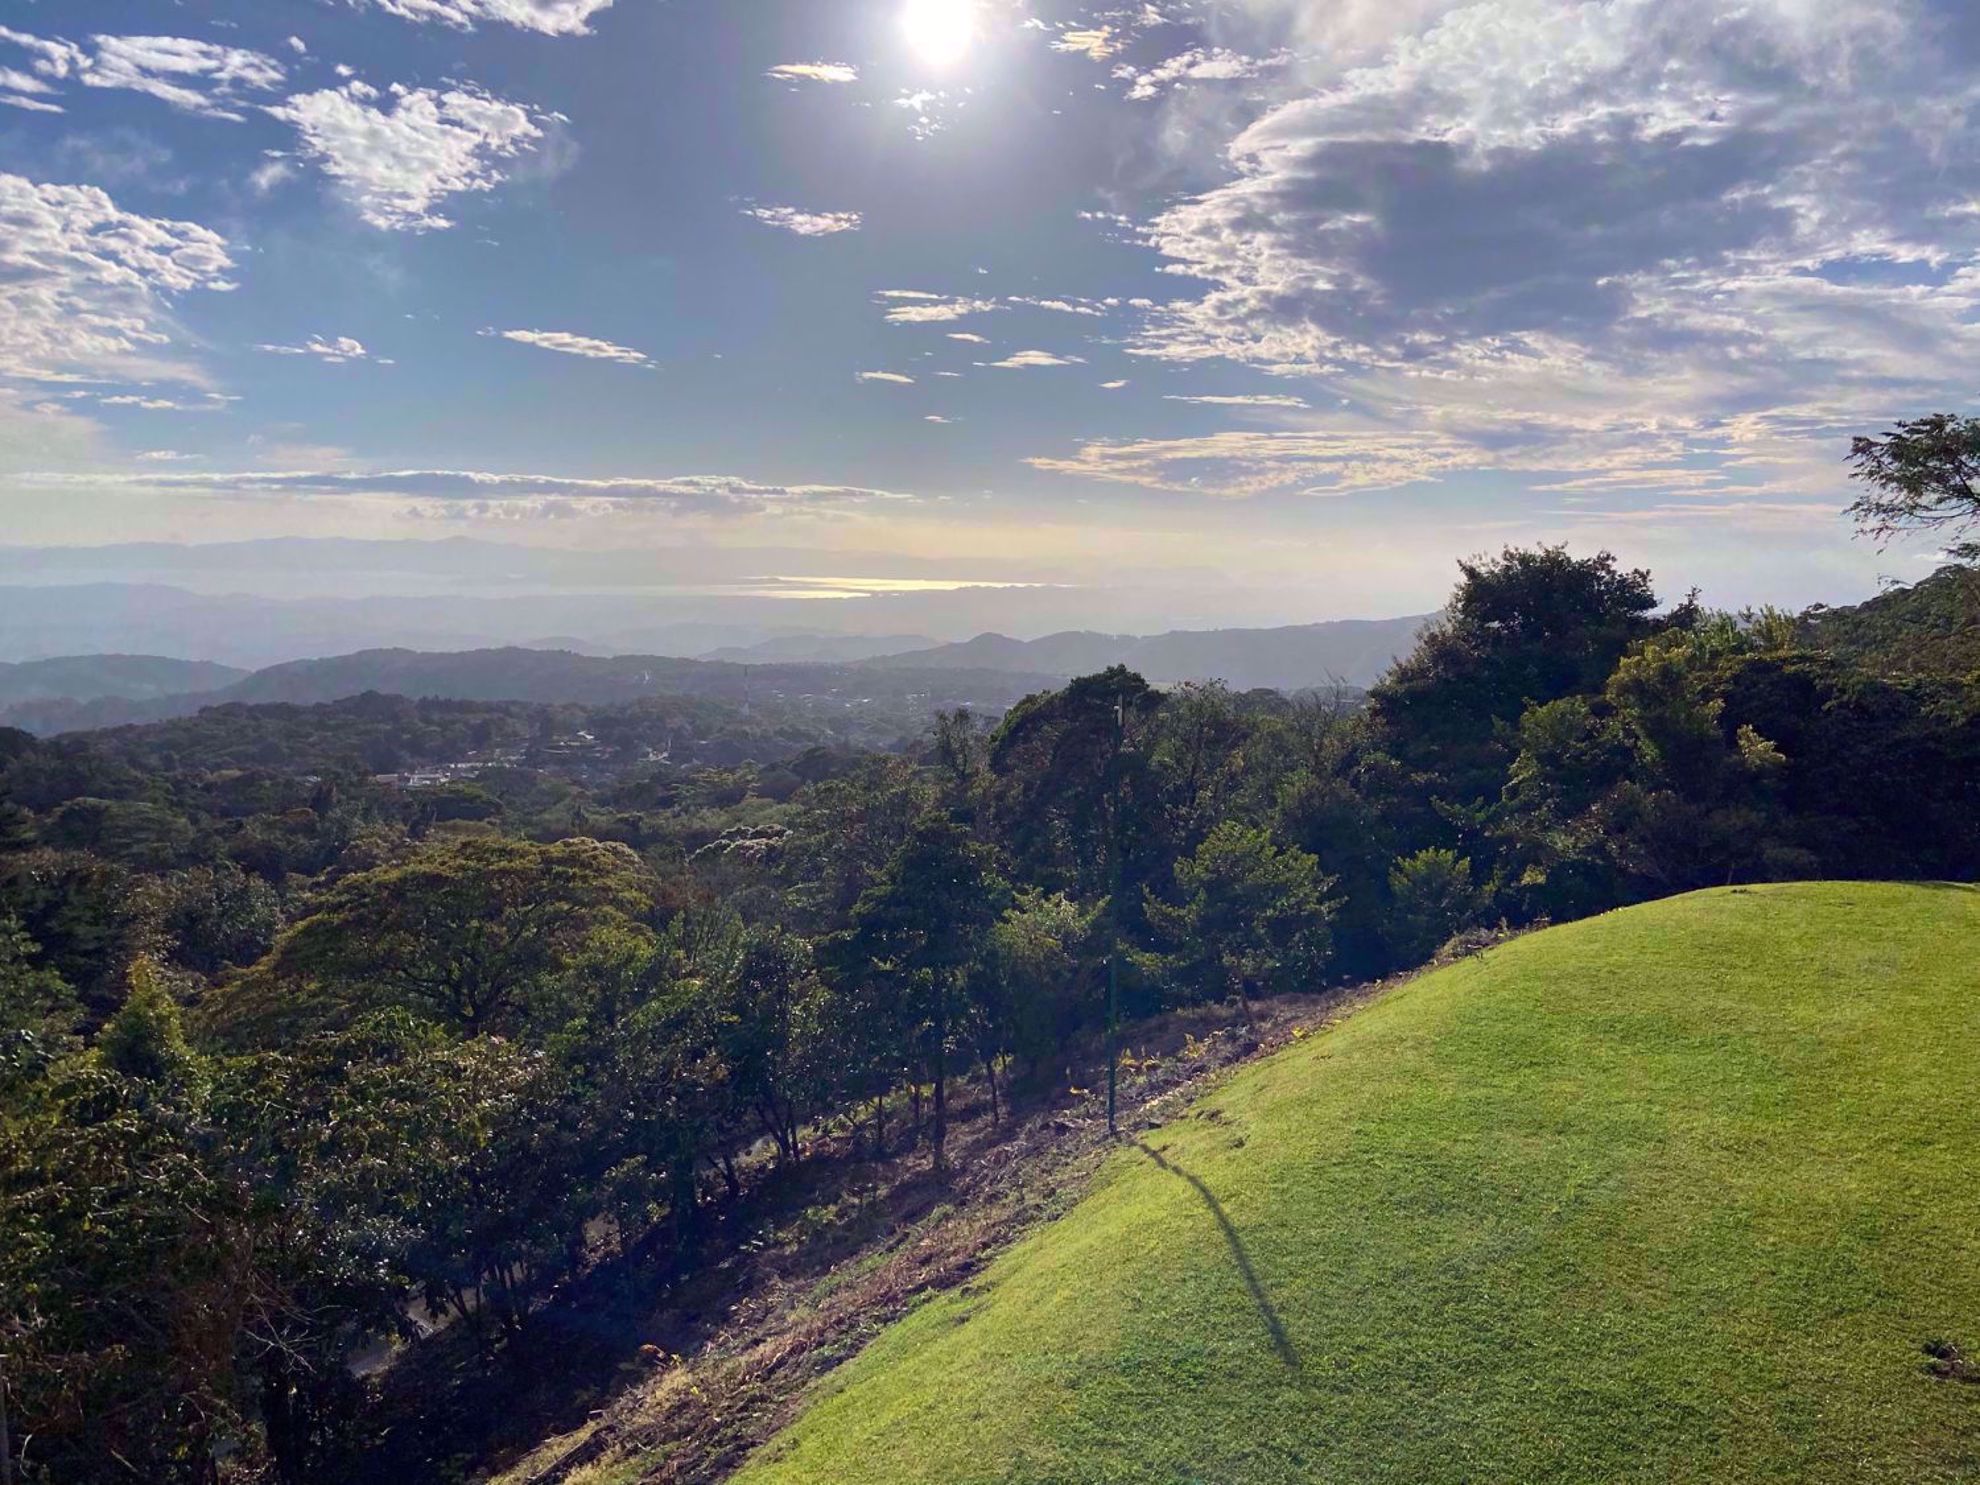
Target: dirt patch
1949 1363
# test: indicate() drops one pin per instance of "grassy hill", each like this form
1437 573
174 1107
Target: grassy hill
1680 1193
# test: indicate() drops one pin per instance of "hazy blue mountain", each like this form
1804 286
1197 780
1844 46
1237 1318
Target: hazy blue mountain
1353 652
86 677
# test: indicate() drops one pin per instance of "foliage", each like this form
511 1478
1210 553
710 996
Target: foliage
1921 479
1250 916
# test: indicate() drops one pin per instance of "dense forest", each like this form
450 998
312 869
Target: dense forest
296 1059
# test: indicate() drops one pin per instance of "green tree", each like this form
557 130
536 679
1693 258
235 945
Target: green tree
923 925
1249 915
1524 628
1433 897
1920 478
480 935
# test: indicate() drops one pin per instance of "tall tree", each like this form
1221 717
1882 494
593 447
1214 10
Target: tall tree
1920 477
924 924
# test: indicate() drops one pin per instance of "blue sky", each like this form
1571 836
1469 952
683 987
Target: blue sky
1311 297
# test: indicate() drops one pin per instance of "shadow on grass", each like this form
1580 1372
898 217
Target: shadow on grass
1274 1327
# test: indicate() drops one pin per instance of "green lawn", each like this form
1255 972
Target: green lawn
1678 1193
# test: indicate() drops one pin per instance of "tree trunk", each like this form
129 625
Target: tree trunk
990 1077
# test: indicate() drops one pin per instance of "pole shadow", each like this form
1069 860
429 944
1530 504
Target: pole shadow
1274 1327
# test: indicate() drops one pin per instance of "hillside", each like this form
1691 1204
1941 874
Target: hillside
1354 652
1929 627
86 677
1683 1192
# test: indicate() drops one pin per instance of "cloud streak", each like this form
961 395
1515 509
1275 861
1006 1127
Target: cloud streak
681 494
805 223
565 343
198 77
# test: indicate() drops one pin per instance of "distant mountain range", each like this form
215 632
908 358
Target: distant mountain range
1352 652
83 692
530 676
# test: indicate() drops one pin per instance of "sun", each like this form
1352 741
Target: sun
939 32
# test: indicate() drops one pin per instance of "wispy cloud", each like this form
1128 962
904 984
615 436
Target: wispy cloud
1097 42
1021 360
545 17
1249 399
686 494
824 72
335 351
1199 64
886 376
919 307
566 343
805 223
194 76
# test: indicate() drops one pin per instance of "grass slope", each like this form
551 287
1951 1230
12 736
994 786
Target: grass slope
1678 1193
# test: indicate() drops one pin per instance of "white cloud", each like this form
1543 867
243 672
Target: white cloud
575 345
918 307
1249 399
1113 386
165 456
196 76
270 175
86 288
935 418
343 348
149 402
1068 306
1097 42
967 338
1020 360
886 376
1244 463
805 223
825 72
1199 64
474 489
545 17
1701 244
398 162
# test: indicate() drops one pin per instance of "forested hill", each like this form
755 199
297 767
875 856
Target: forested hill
1929 627
1352 652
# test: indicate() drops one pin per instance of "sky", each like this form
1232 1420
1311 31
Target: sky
1292 301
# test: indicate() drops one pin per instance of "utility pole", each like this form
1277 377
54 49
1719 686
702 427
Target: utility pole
1114 918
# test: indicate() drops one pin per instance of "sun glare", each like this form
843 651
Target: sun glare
939 31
